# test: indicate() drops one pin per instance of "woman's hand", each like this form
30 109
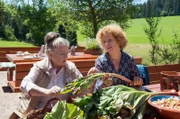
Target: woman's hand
107 81
54 91
93 70
137 81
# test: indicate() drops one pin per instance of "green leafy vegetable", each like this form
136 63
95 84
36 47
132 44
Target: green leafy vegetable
84 83
81 84
63 110
115 101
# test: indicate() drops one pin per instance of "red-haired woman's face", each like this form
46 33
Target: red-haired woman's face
109 43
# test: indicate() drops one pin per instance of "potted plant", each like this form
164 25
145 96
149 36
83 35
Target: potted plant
92 47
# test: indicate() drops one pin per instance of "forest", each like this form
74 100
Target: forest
157 8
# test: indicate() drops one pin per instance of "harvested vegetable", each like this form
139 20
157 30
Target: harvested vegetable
81 84
63 110
115 101
84 83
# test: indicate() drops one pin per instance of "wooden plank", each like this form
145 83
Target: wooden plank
154 71
138 59
154 78
84 73
84 64
2 54
159 68
17 83
13 87
23 66
3 59
13 50
79 49
21 75
7 49
84 69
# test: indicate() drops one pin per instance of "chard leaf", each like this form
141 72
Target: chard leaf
81 84
63 110
123 101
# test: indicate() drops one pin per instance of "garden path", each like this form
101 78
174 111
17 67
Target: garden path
8 99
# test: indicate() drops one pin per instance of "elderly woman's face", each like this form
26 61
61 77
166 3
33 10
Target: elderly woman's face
109 43
59 55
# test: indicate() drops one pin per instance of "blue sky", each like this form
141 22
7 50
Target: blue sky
140 1
137 1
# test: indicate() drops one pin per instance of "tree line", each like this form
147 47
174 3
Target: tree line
30 22
157 8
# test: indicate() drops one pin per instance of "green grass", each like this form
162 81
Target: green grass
4 43
168 25
136 33
141 50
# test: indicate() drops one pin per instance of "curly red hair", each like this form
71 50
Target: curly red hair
114 30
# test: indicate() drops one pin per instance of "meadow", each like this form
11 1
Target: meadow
4 43
138 44
168 25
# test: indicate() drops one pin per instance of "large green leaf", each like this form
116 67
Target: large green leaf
115 100
81 84
63 110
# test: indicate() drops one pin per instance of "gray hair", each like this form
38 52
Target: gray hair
59 41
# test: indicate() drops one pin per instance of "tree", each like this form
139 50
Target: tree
96 13
7 16
169 53
38 20
1 13
66 24
153 33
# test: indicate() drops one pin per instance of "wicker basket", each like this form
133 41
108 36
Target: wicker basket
170 80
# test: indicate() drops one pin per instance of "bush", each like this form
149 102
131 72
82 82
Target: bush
8 33
91 44
170 53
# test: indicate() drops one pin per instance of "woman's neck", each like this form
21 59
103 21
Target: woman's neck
58 68
115 55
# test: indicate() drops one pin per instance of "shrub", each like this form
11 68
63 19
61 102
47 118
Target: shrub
170 53
8 33
91 44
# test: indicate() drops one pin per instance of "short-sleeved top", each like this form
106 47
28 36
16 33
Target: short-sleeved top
127 67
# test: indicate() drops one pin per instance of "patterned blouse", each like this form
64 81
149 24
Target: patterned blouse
127 67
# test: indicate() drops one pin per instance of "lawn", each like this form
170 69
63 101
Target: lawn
4 43
168 25
140 50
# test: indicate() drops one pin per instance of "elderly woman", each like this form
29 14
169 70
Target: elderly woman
47 77
113 40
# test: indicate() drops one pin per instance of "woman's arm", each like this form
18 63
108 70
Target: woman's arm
137 80
29 87
39 91
29 81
